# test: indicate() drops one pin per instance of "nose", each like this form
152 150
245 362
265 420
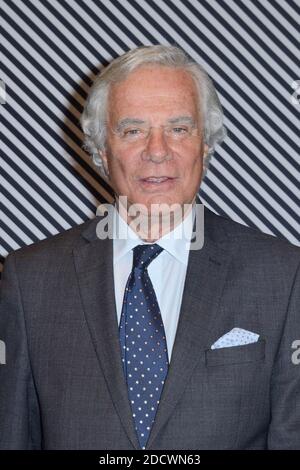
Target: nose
156 149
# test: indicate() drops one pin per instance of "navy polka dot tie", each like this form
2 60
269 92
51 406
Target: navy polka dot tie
143 342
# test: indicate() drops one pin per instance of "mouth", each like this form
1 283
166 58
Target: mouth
153 184
157 179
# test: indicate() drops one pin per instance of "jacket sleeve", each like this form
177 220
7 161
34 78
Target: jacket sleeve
284 429
19 410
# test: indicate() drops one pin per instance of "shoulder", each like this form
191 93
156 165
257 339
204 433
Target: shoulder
53 249
250 245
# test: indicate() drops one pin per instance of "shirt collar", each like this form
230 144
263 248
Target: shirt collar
176 242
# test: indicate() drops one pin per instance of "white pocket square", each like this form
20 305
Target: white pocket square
235 337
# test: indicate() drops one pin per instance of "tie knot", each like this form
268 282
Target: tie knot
144 254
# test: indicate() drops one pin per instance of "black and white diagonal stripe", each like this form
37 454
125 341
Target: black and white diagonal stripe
52 51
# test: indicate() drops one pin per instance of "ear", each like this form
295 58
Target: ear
103 156
205 151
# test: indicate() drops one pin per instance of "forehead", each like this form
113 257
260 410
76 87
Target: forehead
155 90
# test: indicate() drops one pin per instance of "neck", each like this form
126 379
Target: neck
150 226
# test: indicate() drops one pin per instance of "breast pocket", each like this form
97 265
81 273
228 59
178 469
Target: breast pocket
236 354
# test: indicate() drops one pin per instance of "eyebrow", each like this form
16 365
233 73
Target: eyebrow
182 119
135 121
128 122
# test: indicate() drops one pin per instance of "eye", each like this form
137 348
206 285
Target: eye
132 132
179 130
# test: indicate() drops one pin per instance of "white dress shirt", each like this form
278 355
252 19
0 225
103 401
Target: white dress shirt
167 271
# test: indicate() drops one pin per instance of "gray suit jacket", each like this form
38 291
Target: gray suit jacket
63 386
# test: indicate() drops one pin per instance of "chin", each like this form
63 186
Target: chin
160 201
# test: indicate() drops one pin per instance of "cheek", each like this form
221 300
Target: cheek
118 159
198 153
123 165
191 161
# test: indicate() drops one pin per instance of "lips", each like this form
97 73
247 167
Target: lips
157 179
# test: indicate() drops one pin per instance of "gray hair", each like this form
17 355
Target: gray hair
93 118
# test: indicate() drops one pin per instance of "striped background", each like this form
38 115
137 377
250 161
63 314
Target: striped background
52 50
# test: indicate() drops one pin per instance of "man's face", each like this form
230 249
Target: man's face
154 130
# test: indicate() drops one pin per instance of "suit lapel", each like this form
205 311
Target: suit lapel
94 269
206 274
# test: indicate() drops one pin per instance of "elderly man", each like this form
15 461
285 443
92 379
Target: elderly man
141 342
